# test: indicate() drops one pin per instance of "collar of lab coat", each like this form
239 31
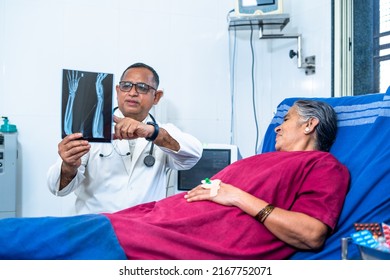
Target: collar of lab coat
139 147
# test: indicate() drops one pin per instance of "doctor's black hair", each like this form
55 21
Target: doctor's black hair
156 78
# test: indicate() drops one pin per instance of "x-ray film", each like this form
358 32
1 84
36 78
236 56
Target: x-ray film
87 104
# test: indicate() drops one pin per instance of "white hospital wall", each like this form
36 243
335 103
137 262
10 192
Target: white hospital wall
188 44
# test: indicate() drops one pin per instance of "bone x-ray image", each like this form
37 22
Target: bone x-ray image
87 104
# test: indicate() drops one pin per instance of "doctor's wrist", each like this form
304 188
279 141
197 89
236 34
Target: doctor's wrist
155 132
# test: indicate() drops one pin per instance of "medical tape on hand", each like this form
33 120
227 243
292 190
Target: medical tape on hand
213 185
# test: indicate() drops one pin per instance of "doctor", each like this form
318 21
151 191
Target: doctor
133 168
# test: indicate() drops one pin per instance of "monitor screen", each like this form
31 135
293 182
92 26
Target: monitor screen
248 3
212 161
253 7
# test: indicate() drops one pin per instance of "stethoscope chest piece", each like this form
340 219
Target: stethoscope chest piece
149 160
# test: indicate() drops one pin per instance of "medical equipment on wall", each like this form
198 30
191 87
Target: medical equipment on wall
8 168
269 25
266 16
258 7
149 160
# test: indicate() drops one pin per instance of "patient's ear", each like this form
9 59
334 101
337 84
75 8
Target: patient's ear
312 123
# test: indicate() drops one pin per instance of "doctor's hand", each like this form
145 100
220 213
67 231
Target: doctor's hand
227 194
128 128
71 149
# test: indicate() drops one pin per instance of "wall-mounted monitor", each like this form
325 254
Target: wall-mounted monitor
258 7
215 157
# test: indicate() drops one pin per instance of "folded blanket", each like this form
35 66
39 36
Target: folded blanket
86 237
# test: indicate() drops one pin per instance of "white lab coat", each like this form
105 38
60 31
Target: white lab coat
117 181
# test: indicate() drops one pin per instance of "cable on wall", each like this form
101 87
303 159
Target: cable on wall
232 85
254 91
232 62
232 56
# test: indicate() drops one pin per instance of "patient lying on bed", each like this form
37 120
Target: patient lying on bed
267 206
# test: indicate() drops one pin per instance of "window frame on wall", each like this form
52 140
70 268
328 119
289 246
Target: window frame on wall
361 60
381 55
342 56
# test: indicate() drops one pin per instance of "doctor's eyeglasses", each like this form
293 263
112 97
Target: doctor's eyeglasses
140 88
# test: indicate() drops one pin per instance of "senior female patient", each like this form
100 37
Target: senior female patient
267 206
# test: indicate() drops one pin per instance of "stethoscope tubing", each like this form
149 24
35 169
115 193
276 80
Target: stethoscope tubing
149 160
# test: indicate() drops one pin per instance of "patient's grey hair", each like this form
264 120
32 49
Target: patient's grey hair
327 127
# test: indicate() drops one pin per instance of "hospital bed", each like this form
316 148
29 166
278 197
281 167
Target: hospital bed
363 145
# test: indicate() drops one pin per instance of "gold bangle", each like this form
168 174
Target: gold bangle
264 213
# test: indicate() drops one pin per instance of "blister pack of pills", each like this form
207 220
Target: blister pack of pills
372 235
374 228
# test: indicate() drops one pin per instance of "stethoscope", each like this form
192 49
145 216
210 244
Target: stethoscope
149 160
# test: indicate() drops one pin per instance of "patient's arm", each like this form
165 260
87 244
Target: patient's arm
296 229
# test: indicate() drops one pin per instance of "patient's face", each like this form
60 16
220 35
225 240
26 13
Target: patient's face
290 135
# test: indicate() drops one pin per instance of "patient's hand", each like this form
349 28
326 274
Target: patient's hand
226 194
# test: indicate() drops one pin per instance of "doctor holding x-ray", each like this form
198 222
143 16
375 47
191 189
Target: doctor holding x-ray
108 177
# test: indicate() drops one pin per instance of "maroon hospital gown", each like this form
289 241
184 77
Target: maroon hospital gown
310 182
